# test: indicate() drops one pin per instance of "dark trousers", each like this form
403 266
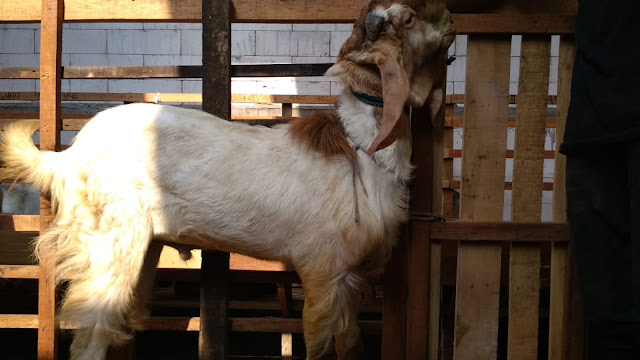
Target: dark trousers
603 204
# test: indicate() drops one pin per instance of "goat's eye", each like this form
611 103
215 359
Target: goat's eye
410 21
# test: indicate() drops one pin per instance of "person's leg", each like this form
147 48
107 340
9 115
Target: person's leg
598 204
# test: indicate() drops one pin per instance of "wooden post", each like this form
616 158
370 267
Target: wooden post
528 162
50 125
482 196
560 345
216 99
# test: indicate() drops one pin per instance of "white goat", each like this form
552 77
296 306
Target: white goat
326 193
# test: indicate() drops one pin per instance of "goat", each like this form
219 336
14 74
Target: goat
326 193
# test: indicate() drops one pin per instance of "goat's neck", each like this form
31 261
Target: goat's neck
361 127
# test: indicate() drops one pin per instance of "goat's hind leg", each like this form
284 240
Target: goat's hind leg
329 318
101 300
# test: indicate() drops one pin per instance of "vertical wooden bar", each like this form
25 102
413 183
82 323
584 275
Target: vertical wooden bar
287 110
434 301
482 197
427 198
394 334
50 126
216 99
559 252
528 163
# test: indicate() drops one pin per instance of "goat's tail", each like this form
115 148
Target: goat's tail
23 160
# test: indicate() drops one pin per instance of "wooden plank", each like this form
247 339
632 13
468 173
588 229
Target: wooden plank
511 122
11 222
175 97
50 125
216 99
500 231
258 324
394 333
166 72
448 184
482 197
454 153
528 162
19 271
435 283
560 279
302 11
418 292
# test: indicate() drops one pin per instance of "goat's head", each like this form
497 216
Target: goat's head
397 51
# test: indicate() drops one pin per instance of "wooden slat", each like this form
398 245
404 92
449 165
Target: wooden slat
304 11
394 333
19 222
454 153
558 311
216 99
435 286
166 72
50 125
19 271
511 122
500 231
236 98
174 97
449 184
258 324
528 162
482 196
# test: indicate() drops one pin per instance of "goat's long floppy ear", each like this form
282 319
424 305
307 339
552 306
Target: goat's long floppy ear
395 91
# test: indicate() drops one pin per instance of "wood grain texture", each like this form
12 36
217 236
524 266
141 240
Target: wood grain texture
435 289
528 162
216 100
560 255
500 231
482 196
394 312
50 126
507 21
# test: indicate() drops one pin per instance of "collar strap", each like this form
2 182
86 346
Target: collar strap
368 99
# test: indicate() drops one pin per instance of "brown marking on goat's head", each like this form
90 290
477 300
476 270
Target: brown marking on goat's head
322 131
397 51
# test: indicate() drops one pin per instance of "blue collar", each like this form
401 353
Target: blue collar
368 99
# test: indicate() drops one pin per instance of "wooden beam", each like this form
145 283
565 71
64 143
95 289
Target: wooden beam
528 163
394 311
301 11
560 264
216 100
258 324
50 125
500 231
482 196
166 72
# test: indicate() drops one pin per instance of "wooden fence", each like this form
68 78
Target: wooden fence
453 290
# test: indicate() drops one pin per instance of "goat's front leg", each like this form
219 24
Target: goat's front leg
331 309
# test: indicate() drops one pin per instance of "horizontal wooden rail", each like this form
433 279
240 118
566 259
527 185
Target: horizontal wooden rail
239 273
265 11
507 229
173 97
454 153
456 185
258 324
197 98
500 231
166 72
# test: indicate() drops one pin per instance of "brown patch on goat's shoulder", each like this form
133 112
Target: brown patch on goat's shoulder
322 131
